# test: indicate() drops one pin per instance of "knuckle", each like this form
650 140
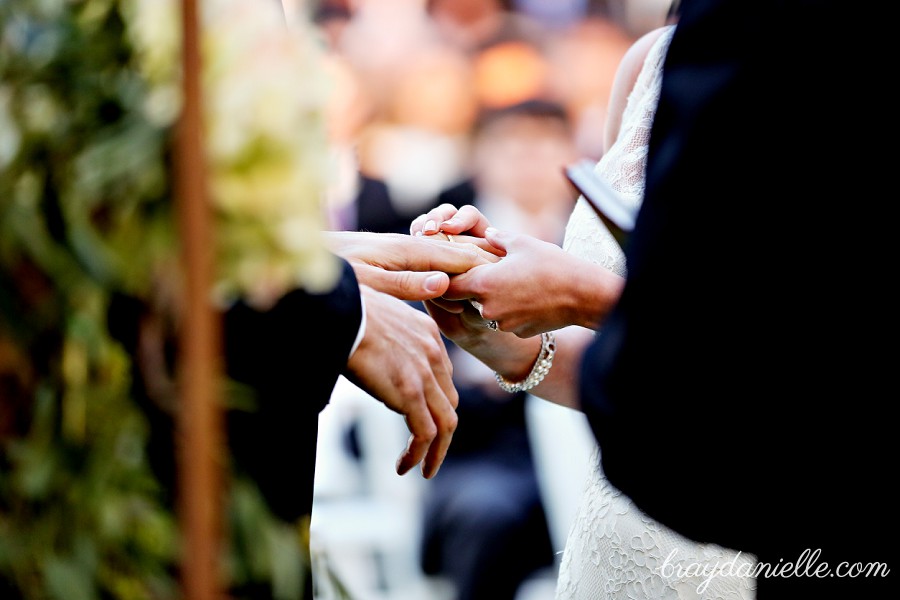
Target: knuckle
424 324
453 396
427 326
478 285
434 352
449 425
408 387
428 433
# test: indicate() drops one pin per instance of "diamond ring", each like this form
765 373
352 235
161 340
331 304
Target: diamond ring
492 324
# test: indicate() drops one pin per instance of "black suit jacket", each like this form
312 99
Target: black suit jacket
291 357
737 390
288 358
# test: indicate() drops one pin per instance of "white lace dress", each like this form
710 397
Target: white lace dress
613 549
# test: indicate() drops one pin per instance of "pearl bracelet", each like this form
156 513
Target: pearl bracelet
538 371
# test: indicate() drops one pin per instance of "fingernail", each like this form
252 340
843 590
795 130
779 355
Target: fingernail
434 282
450 222
490 231
418 234
429 226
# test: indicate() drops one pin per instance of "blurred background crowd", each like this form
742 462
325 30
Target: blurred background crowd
414 76
468 102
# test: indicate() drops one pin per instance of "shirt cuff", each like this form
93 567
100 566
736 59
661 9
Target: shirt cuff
362 327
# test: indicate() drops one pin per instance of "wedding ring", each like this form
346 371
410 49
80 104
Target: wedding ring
492 324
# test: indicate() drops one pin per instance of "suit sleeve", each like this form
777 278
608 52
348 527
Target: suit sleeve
290 357
750 292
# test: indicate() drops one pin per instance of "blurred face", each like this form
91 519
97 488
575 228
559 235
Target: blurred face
520 159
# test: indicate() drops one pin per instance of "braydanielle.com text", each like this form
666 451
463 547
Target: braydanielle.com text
807 565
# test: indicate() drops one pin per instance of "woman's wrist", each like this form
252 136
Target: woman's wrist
539 369
593 295
506 354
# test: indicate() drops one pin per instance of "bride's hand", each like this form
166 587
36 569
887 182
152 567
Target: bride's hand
466 225
537 287
503 352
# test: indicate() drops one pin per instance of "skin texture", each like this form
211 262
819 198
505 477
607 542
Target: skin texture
537 287
408 267
513 291
406 367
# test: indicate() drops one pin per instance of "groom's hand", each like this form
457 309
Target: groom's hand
407 267
402 361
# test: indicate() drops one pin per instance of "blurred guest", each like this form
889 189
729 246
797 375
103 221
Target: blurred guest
517 157
420 104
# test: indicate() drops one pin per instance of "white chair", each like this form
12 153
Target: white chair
562 443
366 519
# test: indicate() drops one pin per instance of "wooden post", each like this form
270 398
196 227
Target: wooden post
199 420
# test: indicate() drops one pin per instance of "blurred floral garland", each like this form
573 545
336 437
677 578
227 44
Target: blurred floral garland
89 95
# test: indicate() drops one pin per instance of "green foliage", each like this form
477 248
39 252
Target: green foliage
81 515
85 212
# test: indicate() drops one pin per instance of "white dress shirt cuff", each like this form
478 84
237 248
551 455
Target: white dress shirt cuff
362 327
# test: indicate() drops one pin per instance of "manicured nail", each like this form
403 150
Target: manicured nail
490 231
418 234
451 222
434 282
430 227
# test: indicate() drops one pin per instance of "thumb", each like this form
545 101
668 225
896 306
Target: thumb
405 285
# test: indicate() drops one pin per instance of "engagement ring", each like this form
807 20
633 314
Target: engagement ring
492 325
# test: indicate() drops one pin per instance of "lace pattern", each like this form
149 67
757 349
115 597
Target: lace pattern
613 549
622 166
616 551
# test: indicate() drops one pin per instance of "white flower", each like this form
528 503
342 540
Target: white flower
265 93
